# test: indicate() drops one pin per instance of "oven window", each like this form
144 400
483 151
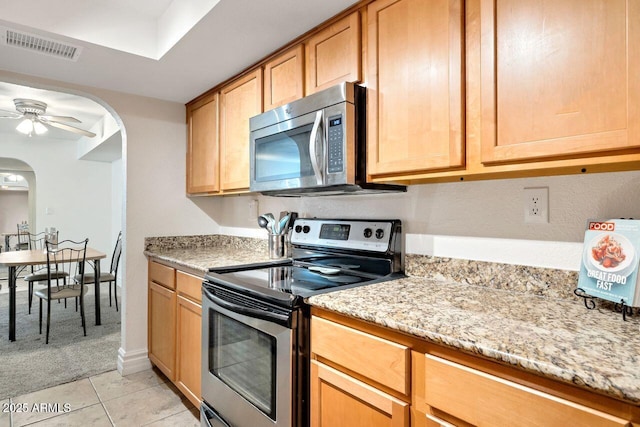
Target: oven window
244 358
284 155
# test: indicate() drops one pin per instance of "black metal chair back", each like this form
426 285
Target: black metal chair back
67 256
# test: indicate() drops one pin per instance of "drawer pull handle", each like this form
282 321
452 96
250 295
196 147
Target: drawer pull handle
441 423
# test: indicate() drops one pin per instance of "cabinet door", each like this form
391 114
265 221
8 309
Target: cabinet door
202 148
239 101
188 350
161 328
415 98
337 400
486 400
334 55
284 78
559 78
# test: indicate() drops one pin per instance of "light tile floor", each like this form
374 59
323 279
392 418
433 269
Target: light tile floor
143 399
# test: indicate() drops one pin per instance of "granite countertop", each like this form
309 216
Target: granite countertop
558 338
199 253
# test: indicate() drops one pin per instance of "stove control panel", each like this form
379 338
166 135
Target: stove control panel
364 235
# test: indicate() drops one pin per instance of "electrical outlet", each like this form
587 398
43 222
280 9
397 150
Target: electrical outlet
536 205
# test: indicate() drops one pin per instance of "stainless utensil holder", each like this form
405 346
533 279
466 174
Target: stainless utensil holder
278 246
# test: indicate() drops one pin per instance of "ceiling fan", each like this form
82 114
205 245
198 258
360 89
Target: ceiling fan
34 119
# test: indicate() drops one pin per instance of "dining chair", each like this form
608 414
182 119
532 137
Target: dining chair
40 275
110 276
70 257
23 240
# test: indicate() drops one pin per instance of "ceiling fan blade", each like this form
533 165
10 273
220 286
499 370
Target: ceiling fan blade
10 117
67 119
69 128
10 113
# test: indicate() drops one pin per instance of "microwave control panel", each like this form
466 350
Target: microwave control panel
335 136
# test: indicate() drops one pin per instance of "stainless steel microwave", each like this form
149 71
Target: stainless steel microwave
313 146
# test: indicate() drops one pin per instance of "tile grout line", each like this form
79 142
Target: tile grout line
101 402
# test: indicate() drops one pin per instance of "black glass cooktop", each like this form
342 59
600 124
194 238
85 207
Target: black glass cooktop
289 281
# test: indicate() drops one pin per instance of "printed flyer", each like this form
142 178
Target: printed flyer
610 258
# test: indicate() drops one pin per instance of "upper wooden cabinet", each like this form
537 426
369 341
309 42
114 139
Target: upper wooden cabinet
202 146
239 101
333 55
559 78
284 78
415 98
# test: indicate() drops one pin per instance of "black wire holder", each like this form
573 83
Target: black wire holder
590 304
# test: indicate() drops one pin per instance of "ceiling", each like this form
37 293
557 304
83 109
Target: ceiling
167 49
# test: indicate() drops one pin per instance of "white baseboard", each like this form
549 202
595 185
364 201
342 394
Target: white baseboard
130 362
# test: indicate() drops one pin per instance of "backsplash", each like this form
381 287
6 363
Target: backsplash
546 282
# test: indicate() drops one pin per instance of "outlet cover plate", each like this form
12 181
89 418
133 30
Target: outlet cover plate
536 205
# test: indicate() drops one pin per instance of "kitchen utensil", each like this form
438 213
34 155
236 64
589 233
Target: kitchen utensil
262 221
282 224
271 221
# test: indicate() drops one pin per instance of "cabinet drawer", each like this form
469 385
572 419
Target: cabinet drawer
162 275
378 359
483 399
189 285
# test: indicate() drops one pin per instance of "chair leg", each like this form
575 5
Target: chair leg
30 295
76 304
40 315
48 319
115 293
109 294
84 324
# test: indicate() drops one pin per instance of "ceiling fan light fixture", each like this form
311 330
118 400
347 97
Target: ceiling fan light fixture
30 125
25 127
39 128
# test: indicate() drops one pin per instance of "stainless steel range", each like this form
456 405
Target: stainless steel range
255 330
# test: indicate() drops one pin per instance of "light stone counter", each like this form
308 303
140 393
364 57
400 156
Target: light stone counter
196 254
558 338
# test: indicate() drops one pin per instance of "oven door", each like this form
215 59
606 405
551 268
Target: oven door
247 359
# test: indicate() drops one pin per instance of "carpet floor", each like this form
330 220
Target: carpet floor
28 364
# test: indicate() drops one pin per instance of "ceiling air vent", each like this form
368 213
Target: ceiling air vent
40 44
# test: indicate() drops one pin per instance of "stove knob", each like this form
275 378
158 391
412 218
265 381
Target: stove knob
379 233
298 228
306 229
367 232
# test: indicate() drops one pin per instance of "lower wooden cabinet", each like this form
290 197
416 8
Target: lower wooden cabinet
175 324
339 400
162 318
358 371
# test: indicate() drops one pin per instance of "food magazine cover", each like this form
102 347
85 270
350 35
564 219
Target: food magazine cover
609 268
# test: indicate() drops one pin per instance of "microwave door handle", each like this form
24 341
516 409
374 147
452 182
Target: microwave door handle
313 148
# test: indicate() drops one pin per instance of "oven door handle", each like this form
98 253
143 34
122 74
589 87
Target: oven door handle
283 319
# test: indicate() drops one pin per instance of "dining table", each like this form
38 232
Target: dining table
15 259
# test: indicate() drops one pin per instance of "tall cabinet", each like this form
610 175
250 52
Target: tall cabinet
415 78
559 78
202 146
239 101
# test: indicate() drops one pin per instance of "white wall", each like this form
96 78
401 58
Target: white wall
75 193
14 208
